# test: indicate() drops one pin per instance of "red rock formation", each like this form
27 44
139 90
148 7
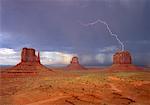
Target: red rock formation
29 65
38 58
74 64
74 60
122 57
28 55
122 60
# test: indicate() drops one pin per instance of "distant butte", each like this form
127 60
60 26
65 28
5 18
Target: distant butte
30 65
28 55
122 60
74 65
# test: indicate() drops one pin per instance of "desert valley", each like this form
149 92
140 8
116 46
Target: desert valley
31 83
74 52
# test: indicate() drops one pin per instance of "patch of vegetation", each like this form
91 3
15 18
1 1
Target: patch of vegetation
91 78
124 74
133 76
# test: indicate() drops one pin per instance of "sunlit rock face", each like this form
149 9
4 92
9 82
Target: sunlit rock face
29 66
74 64
122 57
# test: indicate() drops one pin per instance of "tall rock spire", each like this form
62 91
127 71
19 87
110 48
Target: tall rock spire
38 57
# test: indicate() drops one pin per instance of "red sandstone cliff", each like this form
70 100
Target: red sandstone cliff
122 60
30 64
28 55
123 57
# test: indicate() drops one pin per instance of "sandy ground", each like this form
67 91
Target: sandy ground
90 87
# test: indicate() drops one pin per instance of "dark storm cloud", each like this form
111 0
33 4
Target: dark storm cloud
55 25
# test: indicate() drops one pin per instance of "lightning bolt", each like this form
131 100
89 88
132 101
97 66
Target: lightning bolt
109 30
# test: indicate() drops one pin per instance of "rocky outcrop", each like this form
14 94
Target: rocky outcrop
74 64
28 55
122 60
30 65
122 57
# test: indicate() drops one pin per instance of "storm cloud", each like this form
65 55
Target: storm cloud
54 26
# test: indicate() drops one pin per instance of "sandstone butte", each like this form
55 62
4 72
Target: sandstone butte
30 65
74 65
122 60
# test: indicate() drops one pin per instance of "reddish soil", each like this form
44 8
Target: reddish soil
124 67
84 87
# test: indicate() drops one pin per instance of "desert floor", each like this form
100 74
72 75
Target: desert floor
89 87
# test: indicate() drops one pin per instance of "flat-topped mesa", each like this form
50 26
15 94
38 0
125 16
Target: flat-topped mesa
122 60
28 55
122 57
74 64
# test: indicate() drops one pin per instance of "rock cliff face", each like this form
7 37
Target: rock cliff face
123 57
122 60
74 64
30 65
28 55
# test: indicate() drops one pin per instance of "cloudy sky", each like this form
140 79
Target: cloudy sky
54 28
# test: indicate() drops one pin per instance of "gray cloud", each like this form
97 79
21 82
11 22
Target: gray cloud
54 26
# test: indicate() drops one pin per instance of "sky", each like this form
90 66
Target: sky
55 28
